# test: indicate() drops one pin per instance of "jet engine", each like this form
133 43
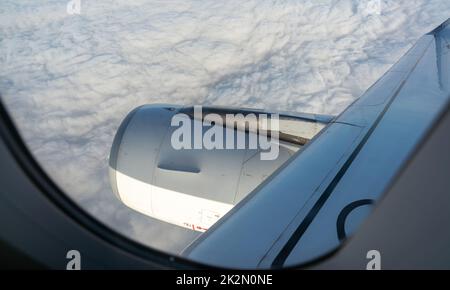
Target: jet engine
190 165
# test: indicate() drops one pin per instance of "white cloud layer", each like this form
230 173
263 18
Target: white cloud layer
69 80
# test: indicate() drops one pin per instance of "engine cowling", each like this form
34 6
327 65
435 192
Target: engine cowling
192 187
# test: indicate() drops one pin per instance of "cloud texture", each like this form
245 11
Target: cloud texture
69 80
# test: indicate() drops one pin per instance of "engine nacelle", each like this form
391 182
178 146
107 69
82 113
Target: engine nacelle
194 187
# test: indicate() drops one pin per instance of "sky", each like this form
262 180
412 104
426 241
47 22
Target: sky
69 79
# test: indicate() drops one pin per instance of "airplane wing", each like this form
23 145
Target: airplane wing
322 194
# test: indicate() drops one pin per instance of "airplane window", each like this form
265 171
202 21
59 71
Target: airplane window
166 119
